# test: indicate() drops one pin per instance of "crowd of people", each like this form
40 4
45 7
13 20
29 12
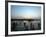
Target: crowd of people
23 27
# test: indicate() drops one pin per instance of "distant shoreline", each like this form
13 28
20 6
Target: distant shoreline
25 19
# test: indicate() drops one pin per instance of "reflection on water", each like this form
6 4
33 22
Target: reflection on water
25 25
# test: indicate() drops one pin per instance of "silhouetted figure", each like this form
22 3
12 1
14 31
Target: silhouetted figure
14 26
39 26
25 27
31 26
11 27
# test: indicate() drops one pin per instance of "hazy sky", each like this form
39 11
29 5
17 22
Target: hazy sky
25 11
